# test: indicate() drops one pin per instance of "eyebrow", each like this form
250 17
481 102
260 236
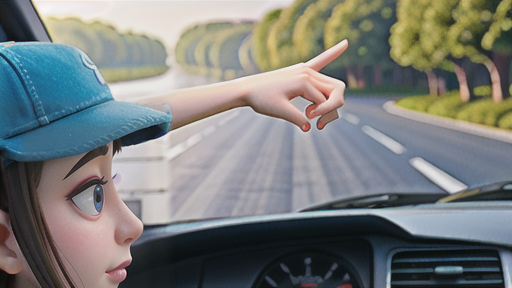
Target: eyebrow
100 151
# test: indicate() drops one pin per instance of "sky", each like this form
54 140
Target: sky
164 19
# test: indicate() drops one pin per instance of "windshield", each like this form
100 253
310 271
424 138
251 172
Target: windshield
427 106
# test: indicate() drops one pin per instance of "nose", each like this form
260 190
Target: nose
128 227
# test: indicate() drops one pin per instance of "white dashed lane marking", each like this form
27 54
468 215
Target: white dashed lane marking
428 170
351 118
383 139
438 176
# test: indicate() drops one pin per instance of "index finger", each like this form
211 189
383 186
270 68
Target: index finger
326 57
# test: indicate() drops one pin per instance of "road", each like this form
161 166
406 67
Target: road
252 164
240 163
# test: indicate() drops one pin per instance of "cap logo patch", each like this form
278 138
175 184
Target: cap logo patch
89 64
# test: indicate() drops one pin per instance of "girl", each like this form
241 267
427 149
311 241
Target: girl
62 223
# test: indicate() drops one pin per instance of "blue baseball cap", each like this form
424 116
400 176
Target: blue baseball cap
54 103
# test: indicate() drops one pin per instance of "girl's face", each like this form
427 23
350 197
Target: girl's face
90 224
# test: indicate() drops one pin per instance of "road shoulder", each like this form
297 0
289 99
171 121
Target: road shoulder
463 126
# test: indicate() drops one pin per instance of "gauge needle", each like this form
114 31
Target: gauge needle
271 281
294 279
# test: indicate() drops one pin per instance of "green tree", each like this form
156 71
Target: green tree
474 20
365 23
246 56
419 37
106 46
185 49
183 52
115 51
119 56
437 20
202 50
498 39
260 37
308 34
225 48
74 31
282 51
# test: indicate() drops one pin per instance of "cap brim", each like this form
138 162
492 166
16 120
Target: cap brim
87 130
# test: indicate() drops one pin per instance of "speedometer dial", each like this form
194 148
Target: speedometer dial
308 270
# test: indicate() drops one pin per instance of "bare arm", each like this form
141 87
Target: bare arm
267 93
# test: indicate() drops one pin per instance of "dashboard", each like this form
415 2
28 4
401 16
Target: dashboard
433 245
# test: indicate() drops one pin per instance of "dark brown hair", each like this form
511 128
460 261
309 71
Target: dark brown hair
18 197
30 228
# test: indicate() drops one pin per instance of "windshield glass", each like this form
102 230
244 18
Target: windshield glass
427 106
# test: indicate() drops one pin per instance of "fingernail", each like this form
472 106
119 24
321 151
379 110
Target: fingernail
305 127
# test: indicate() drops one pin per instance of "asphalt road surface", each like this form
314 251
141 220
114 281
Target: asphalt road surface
248 164
241 163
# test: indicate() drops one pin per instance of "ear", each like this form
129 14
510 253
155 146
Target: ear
11 259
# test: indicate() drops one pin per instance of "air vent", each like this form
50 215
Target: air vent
461 268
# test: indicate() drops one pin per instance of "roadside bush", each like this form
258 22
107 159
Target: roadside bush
417 103
387 91
483 91
497 112
506 121
485 111
447 105
112 75
475 111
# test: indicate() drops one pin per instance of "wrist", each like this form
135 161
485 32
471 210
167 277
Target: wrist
243 89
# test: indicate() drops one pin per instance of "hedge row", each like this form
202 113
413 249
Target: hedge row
483 111
119 56
221 50
112 75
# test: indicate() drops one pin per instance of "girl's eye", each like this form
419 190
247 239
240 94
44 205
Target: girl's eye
90 198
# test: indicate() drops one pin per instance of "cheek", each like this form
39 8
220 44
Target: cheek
82 243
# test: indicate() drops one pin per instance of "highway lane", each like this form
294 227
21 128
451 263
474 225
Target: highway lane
471 159
241 163
257 165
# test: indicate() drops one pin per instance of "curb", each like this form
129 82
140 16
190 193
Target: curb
459 125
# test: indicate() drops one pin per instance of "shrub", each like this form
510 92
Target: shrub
112 75
497 112
506 121
417 103
483 91
485 111
447 105
474 111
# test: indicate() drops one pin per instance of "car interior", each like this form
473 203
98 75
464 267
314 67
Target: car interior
454 244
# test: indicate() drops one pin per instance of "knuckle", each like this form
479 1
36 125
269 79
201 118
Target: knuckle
300 66
304 68
340 102
340 84
303 78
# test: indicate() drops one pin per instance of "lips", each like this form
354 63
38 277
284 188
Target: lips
118 274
